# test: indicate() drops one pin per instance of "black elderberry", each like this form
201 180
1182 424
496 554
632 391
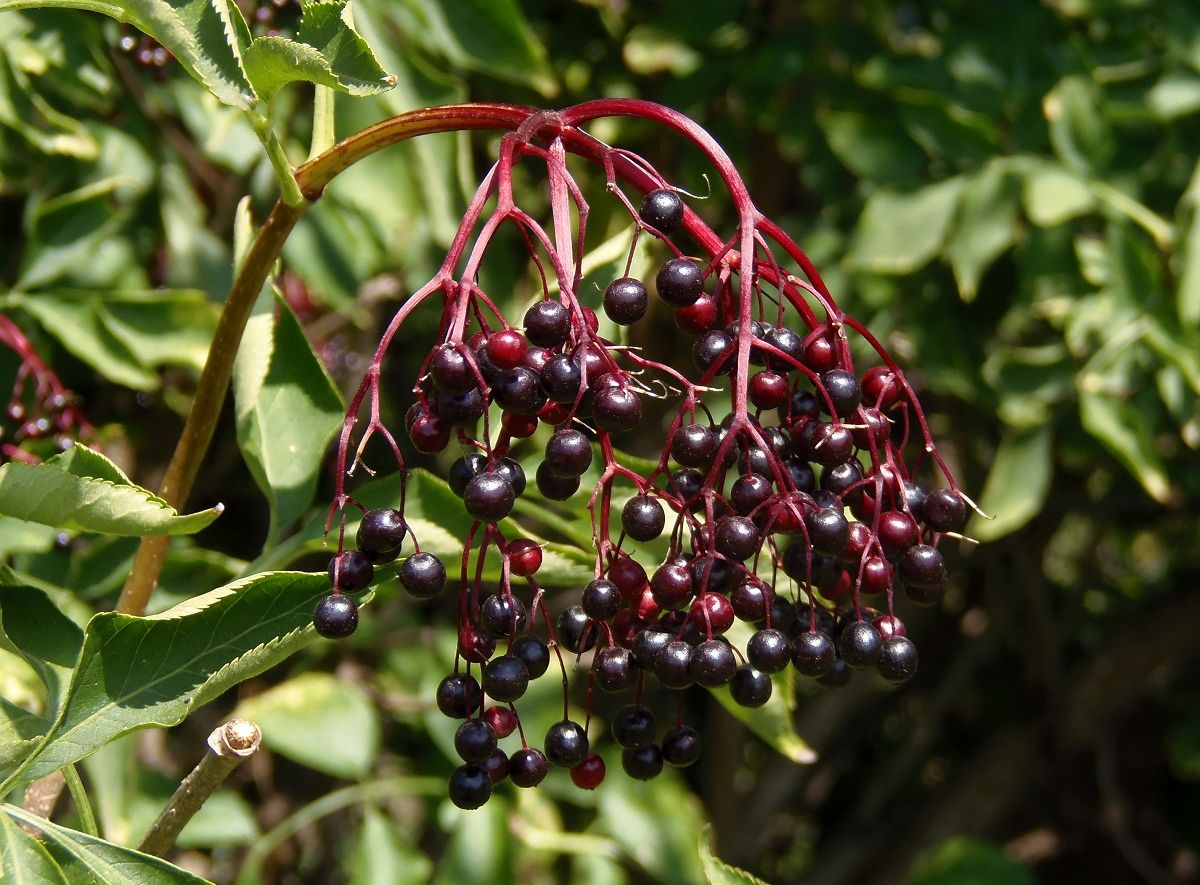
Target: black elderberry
828 530
555 486
843 391
681 746
922 566
860 644
643 763
423 575
527 767
505 678
662 209
750 687
837 676
502 615
474 740
841 477
633 727
625 301
568 452
533 652
693 445
336 616
463 470
672 665
470 786
749 601
643 518
458 695
617 409
380 533
646 646
713 663
944 511
601 599
351 571
713 347
452 372
769 650
519 391
561 379
576 631
786 340
460 409
813 653
680 282
497 766
898 659
710 575
749 492
614 669
736 537
489 497
547 324
566 744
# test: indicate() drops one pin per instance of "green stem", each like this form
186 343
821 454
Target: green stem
326 805
289 191
323 131
87 817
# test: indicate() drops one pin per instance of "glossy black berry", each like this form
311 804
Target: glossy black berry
460 409
553 485
922 566
769 651
512 473
643 518
625 301
672 665
527 767
713 663
789 342
840 478
351 571
749 601
452 372
474 740
601 599
497 766
336 616
898 659
470 786
944 511
714 347
519 391
643 763
680 282
576 631
423 575
860 644
380 533
566 743
463 470
505 678
662 209
614 669
458 695
837 676
568 452
502 615
489 497
633 727
646 646
617 409
533 652
828 530
693 445
813 653
748 492
681 746
843 391
736 537
750 687
547 324
561 379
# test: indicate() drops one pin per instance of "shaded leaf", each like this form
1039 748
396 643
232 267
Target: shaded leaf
1122 429
1016 485
24 860
381 854
66 230
78 491
45 637
656 827
20 731
1081 135
716 871
900 233
962 859
986 226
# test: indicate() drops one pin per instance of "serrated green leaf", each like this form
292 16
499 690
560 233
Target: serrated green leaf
24 860
716 871
1121 428
985 228
1016 485
86 860
900 233
197 32
137 672
20 731
45 637
71 491
320 721
288 409
327 51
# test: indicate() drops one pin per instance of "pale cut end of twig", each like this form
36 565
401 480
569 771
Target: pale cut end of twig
974 506
237 737
956 536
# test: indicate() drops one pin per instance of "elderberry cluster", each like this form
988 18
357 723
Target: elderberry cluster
795 512
39 407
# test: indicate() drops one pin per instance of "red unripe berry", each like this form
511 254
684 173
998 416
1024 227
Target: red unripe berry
700 316
429 434
719 610
787 520
474 644
889 626
644 608
524 557
881 386
820 355
876 576
519 426
629 576
897 531
502 720
769 390
625 628
860 540
588 774
840 590
506 348
554 413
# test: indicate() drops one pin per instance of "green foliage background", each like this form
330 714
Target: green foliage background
1007 193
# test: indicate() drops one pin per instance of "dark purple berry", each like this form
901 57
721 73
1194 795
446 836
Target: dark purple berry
625 301
336 616
617 409
568 452
533 652
527 767
561 379
843 391
458 695
713 347
898 659
547 324
423 575
553 485
944 511
601 599
662 209
646 646
828 531
505 678
681 746
769 650
463 470
576 631
643 518
470 786
452 372
813 653
680 282
643 763
712 663
736 537
750 687
633 727
860 644
566 744
474 740
351 571
693 445
672 665
614 669
489 497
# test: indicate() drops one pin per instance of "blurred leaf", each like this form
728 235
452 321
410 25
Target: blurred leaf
870 146
649 50
197 32
900 233
77 492
327 51
716 871
45 637
985 228
1175 95
1081 135
656 825
136 672
1122 429
18 536
1053 195
1183 748
320 721
86 860
1188 294
20 730
1016 485
66 230
961 860
287 409
480 849
23 859
381 855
